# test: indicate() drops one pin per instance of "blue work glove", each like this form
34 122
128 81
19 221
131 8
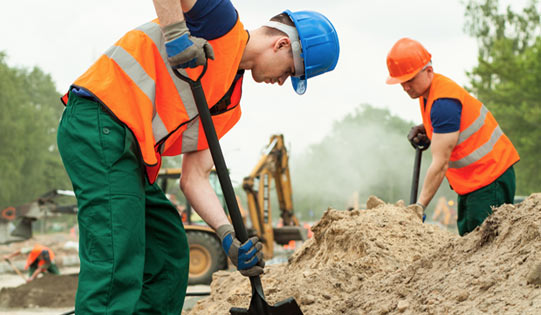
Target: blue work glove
247 257
184 50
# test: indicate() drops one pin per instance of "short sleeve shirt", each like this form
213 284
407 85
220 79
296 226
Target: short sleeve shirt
445 115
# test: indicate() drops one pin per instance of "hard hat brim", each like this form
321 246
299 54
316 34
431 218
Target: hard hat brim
401 79
299 85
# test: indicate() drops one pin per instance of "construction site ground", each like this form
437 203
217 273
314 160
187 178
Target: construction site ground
49 294
383 260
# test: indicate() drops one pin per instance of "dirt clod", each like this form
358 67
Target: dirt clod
534 276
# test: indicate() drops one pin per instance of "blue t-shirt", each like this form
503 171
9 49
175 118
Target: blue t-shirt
211 19
445 115
208 19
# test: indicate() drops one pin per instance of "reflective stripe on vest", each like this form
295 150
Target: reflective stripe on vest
134 81
146 84
483 152
473 128
480 152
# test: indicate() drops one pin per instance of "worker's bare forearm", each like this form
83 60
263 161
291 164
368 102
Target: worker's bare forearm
36 273
433 179
195 184
14 254
171 11
442 147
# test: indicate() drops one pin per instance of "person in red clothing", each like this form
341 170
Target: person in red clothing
40 259
468 146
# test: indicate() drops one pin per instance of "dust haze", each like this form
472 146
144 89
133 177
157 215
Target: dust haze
367 153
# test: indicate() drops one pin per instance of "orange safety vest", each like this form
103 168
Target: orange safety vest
483 152
36 251
134 81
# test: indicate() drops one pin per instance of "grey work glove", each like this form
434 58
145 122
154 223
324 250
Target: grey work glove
418 209
418 138
247 257
183 49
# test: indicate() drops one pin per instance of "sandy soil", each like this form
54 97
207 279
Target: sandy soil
385 261
382 260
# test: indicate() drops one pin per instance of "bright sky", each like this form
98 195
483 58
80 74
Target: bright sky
64 37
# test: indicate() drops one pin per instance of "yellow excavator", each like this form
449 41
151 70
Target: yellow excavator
272 166
206 254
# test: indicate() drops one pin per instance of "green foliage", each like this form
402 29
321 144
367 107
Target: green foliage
29 161
366 153
508 78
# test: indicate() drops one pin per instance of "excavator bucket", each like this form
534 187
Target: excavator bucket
23 228
258 306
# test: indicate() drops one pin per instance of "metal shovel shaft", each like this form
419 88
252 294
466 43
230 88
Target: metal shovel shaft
258 305
415 179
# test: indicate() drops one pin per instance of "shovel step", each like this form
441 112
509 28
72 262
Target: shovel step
286 307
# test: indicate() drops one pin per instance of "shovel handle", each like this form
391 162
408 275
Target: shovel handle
15 268
219 164
216 152
416 173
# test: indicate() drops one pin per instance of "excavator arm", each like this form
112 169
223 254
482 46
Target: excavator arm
272 166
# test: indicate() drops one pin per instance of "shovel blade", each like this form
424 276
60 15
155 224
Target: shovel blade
258 306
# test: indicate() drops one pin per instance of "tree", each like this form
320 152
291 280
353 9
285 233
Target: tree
508 77
29 161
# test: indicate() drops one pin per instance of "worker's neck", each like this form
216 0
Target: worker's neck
253 49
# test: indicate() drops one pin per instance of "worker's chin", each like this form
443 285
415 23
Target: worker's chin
257 78
413 95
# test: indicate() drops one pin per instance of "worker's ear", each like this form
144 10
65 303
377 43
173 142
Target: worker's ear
430 72
282 43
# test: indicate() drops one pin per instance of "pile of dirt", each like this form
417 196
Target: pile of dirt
384 260
47 291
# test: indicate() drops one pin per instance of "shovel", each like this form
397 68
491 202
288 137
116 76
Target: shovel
416 172
258 305
419 148
15 268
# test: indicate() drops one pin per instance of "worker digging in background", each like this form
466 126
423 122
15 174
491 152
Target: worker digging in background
128 110
468 146
40 259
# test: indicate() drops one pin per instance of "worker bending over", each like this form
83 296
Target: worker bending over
40 259
468 145
129 109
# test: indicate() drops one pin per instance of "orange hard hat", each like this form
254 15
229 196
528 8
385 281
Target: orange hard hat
405 60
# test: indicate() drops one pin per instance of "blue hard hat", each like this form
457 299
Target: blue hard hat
319 42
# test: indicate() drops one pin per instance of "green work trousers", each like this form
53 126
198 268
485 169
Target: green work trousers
475 207
132 245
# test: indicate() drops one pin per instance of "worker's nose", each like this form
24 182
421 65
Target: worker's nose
282 79
405 86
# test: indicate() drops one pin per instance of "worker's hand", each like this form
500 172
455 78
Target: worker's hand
247 257
184 50
418 209
418 138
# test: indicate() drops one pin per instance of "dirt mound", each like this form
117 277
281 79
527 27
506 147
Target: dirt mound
47 291
384 260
